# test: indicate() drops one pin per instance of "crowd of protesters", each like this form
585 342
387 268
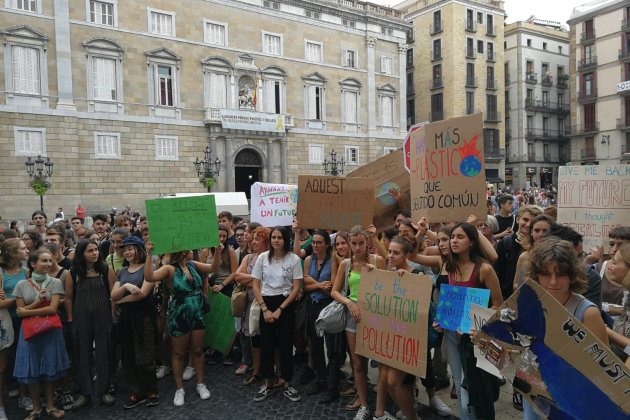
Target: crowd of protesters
120 306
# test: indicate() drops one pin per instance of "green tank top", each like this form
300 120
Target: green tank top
354 279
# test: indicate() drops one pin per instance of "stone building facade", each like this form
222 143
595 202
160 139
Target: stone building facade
124 96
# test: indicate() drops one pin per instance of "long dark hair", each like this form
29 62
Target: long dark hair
477 255
225 254
79 266
326 237
286 236
37 239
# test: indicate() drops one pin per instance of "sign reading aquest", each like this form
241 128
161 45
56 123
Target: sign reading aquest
252 121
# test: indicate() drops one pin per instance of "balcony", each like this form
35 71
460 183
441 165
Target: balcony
587 95
470 25
587 63
507 79
587 36
436 27
436 116
471 82
213 116
625 25
539 105
623 124
531 157
491 56
624 55
436 54
587 154
491 152
491 84
437 83
470 52
531 77
545 134
564 158
491 30
583 129
547 81
547 157
492 116
563 81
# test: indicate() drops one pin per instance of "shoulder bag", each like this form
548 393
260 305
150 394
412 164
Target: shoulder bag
239 300
36 325
332 319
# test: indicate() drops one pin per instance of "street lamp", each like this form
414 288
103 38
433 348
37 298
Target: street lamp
39 170
207 170
333 166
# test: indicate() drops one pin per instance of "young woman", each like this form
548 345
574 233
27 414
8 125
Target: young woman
43 357
115 258
88 308
243 246
186 314
250 344
555 266
341 251
277 278
618 270
32 239
540 227
360 258
468 266
137 325
225 267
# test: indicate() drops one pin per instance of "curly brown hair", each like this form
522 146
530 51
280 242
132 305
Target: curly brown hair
563 254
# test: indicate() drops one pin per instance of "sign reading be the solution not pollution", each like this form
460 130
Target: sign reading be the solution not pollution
393 329
273 204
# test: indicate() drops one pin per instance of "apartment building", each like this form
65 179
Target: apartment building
600 82
124 96
537 123
455 68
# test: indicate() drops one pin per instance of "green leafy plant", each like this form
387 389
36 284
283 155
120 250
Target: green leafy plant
208 182
40 185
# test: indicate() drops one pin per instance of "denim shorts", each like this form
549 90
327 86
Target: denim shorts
351 324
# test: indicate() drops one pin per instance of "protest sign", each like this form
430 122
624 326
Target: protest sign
388 173
178 224
328 202
561 360
448 181
593 200
273 204
393 329
220 331
479 315
453 311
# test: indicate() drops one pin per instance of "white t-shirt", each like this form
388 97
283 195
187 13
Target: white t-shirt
276 277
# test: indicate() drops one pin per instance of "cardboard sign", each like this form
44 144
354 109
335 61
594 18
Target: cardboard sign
479 315
393 329
453 310
388 172
561 360
220 330
178 224
273 204
448 180
593 200
328 202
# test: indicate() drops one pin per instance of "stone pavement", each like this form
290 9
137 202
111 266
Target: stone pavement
231 400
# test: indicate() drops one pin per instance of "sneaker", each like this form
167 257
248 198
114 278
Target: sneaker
81 402
108 399
25 403
133 401
189 372
179 399
400 415
439 406
385 416
292 394
67 400
241 369
203 392
263 393
363 414
316 387
153 400
162 371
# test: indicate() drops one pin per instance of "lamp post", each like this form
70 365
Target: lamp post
39 170
207 169
333 166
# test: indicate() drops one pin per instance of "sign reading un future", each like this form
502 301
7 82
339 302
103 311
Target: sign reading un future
252 121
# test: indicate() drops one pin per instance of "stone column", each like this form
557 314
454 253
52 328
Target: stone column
283 160
370 41
64 55
402 76
270 175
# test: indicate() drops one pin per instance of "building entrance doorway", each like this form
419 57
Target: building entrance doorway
247 170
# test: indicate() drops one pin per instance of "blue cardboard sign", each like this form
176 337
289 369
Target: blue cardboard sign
453 311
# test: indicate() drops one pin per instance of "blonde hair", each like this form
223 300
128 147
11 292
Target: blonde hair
624 253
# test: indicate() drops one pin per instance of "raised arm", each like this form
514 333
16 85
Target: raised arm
161 273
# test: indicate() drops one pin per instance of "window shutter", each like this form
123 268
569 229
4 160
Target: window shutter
269 96
214 90
312 103
222 90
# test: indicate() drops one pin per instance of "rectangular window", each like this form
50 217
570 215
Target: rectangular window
107 145
589 117
313 51
166 148
469 20
29 141
349 23
437 49
386 65
350 107
271 5
216 33
313 15
218 90
470 103
545 46
315 153
350 59
272 96
491 103
387 111
479 47
315 102
165 85
470 49
102 12
490 24
480 18
104 79
162 23
26 78
26 5
588 84
272 43
352 155
437 107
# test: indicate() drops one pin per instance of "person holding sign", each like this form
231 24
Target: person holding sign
186 317
350 271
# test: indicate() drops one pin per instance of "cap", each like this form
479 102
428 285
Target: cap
133 240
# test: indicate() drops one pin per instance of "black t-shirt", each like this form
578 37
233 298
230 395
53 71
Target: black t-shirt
231 241
506 223
137 279
65 263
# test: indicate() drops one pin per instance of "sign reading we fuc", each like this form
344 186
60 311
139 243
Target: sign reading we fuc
393 328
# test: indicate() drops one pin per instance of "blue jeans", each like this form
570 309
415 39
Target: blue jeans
455 362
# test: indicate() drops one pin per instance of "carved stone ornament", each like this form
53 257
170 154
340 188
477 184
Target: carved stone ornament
246 89
370 41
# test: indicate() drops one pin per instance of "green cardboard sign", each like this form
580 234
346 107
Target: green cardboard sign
186 223
220 331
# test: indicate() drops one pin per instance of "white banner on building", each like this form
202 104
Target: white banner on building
273 204
252 121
